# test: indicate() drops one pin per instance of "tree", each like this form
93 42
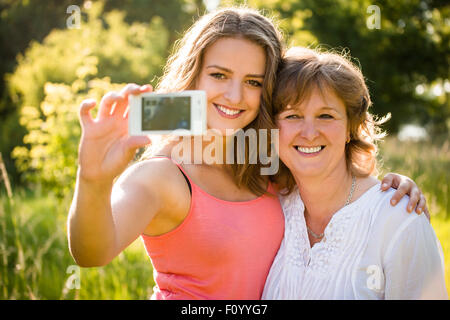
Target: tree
70 65
410 49
23 22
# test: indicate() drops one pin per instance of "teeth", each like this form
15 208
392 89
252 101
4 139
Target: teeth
309 150
228 111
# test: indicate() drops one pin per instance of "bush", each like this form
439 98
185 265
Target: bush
70 65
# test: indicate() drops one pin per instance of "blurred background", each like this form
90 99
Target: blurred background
55 53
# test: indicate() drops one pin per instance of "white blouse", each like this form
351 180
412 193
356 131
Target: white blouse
370 250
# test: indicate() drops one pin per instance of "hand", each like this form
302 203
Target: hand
105 147
405 186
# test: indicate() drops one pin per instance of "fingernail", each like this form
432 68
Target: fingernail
419 211
394 202
384 185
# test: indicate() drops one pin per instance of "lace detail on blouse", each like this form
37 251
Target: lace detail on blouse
294 227
323 253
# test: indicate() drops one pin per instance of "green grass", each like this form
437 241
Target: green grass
35 260
427 163
442 228
34 257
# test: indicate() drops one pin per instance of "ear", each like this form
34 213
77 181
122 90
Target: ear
348 137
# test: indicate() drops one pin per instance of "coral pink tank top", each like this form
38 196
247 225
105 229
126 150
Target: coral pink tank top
222 249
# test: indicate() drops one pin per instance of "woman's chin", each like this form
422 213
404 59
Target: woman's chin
306 171
226 132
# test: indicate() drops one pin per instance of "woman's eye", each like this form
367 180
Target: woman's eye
292 116
254 83
326 116
218 75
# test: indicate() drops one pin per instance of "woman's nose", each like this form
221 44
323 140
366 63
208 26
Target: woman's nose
309 130
234 92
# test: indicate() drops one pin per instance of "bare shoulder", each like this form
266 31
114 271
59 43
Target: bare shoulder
157 179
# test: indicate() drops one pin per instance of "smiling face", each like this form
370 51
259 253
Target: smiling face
313 135
232 75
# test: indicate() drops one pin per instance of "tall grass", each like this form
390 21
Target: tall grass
35 260
427 163
34 257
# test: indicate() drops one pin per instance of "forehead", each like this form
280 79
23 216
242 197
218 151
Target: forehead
318 98
236 54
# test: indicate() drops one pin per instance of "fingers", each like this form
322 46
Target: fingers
387 181
421 206
134 90
131 88
400 193
135 142
427 213
121 107
408 187
107 104
85 111
112 103
414 199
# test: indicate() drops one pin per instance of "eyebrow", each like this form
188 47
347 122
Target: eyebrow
230 71
328 108
298 109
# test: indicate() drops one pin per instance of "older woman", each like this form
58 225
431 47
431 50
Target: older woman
343 240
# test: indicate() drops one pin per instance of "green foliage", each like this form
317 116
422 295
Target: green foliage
53 78
20 22
427 163
35 260
411 48
53 137
109 47
23 22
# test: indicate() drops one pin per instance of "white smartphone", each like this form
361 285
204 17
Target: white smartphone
179 113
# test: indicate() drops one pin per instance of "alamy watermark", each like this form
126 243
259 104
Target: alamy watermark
375 278
249 146
74 20
74 280
374 20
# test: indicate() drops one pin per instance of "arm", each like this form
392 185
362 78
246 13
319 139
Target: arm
405 186
105 219
105 151
413 262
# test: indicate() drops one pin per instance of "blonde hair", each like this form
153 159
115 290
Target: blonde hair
304 69
184 65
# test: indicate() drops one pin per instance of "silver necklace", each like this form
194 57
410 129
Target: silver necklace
349 198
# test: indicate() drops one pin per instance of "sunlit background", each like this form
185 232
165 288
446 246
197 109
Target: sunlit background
55 53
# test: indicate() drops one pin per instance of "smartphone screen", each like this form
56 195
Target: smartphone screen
166 113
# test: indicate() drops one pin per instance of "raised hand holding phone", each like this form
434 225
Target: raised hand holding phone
106 148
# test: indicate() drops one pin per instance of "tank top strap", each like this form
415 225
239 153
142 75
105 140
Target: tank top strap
179 167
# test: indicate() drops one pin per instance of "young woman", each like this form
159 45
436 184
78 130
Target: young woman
344 241
211 231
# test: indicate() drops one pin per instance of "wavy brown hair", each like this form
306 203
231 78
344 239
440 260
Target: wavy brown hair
303 70
184 65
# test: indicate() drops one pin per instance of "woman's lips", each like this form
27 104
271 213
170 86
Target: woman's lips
227 112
